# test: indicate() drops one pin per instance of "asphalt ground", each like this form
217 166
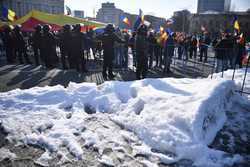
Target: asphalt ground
25 76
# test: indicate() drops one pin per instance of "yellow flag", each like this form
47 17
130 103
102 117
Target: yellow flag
161 29
11 15
237 25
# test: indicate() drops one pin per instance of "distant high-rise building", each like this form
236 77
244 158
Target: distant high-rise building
213 6
109 14
79 13
22 7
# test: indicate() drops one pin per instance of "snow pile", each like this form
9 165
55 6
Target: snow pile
179 117
176 118
6 154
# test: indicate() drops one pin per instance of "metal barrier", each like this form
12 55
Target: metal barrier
184 64
228 61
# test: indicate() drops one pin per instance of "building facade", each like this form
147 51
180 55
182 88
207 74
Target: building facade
22 7
109 14
213 5
79 13
214 23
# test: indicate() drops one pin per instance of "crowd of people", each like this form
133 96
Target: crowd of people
149 48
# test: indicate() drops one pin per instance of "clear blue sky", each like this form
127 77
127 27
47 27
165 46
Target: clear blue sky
162 8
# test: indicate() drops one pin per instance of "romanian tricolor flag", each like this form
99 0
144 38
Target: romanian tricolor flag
126 21
139 20
8 14
141 15
236 24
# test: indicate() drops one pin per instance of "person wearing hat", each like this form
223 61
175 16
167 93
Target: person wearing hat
108 39
76 57
20 45
36 43
65 44
48 49
141 48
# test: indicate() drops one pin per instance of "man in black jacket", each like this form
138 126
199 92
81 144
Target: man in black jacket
193 47
20 45
141 47
223 49
108 38
48 48
65 44
76 59
36 43
8 42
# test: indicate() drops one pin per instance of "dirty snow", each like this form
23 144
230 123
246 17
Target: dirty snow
174 118
6 154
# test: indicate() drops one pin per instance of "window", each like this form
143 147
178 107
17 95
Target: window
210 23
217 24
26 7
225 23
246 25
11 5
53 9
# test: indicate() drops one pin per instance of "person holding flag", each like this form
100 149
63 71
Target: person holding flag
139 21
141 47
168 51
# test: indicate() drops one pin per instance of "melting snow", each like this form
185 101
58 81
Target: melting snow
175 118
